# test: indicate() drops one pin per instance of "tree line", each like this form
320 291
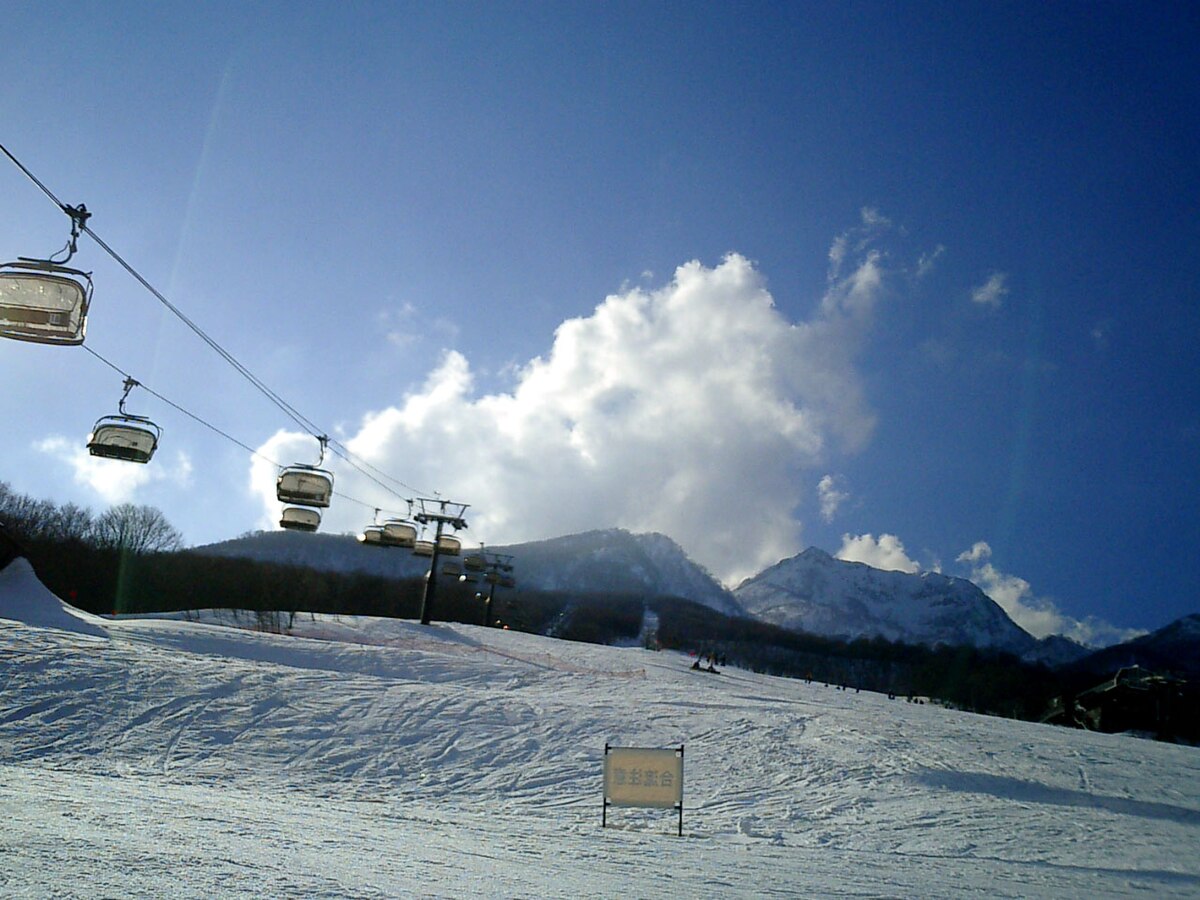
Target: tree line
126 526
128 559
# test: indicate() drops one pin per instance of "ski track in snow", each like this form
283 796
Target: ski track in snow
379 758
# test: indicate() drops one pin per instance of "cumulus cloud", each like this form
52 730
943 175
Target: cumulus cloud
690 409
886 553
115 481
1037 615
992 292
831 496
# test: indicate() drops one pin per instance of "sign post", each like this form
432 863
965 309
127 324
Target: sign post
643 776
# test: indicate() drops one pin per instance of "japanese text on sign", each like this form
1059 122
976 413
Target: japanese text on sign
639 776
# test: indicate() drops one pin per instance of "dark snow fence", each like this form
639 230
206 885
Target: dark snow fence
643 776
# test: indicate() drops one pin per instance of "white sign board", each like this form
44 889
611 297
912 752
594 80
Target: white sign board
643 776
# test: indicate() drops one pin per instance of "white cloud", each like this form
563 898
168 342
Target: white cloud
979 551
992 292
927 261
1037 615
837 254
115 481
872 218
689 409
404 326
853 245
886 553
831 496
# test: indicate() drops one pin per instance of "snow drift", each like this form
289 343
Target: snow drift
25 599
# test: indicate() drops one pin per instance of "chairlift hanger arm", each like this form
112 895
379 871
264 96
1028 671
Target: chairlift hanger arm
79 216
130 384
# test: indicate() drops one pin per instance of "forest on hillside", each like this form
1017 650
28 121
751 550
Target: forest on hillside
129 560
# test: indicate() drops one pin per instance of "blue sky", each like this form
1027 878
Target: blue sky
914 283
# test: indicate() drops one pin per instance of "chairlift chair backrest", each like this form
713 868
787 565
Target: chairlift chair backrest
44 302
299 518
398 533
423 548
372 536
127 438
453 569
449 545
305 486
474 563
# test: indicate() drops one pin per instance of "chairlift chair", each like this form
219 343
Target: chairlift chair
398 533
474 563
300 518
423 548
124 436
452 569
393 533
304 486
127 438
449 545
372 536
44 302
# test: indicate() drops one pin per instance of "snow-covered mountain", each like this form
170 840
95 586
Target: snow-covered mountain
1173 648
816 593
610 561
615 561
810 592
1055 651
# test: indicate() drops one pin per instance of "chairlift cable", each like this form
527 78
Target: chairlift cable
35 180
295 415
289 410
211 427
179 408
343 452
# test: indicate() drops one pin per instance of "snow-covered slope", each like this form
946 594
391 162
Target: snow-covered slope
611 560
27 600
816 593
378 758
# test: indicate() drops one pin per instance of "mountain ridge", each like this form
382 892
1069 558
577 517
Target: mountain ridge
817 593
812 592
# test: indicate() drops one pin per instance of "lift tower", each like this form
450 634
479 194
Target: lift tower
439 513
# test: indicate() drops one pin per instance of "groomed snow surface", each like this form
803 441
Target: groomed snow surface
161 757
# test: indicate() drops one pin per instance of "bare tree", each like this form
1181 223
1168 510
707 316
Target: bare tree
139 529
34 519
69 522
